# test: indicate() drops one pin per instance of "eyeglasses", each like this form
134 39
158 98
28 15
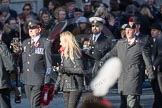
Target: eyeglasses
27 9
95 25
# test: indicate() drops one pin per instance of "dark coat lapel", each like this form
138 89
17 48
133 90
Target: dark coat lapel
100 38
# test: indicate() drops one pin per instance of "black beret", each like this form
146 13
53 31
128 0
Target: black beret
156 26
135 19
77 10
34 24
123 26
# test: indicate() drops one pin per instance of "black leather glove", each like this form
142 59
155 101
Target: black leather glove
151 76
56 88
59 69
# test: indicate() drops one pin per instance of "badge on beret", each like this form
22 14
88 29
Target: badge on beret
131 24
30 23
95 20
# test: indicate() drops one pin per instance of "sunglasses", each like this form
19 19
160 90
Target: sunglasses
27 9
32 27
95 25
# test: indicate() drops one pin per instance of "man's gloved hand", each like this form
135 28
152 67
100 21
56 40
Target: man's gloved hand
47 79
151 76
56 88
59 69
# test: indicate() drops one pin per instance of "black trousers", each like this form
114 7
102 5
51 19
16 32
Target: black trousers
130 101
159 78
157 89
71 99
33 94
5 98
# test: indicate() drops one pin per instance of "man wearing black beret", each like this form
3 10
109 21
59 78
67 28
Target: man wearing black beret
156 34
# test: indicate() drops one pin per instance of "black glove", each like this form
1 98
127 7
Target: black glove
56 88
151 76
61 69
18 95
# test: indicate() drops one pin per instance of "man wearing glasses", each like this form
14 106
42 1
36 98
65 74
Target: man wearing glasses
28 11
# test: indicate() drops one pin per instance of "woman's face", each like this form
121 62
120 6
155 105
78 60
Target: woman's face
63 42
83 26
45 18
50 6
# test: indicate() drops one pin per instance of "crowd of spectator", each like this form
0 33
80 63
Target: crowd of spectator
57 18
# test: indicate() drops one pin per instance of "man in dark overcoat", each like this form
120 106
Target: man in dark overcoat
99 44
157 63
132 52
37 63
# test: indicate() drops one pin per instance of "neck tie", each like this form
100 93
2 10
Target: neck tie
94 38
136 36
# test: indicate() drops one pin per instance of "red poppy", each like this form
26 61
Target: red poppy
36 44
62 49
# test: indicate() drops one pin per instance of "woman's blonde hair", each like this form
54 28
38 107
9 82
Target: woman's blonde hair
146 11
73 46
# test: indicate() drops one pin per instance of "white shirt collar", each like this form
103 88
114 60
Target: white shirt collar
35 39
137 33
132 40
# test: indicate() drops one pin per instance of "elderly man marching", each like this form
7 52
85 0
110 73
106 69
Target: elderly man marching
132 52
37 63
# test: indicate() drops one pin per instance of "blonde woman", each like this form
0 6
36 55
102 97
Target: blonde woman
71 70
